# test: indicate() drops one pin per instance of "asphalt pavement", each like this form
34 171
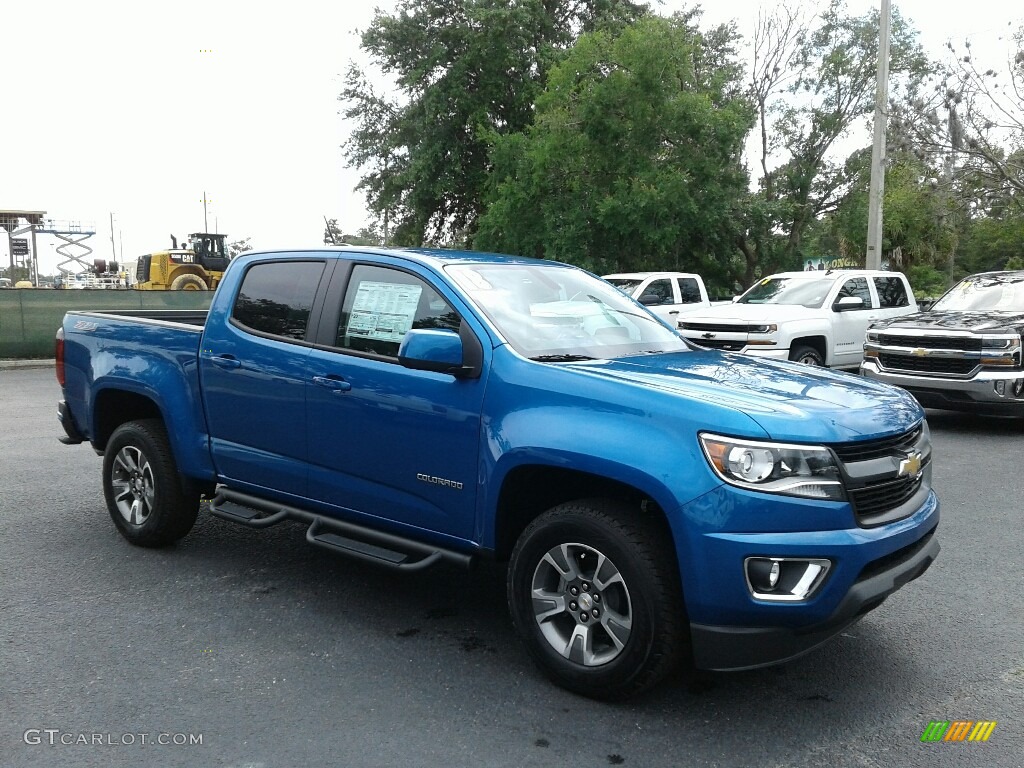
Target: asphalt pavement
251 648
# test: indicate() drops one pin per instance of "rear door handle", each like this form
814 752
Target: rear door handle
332 383
227 362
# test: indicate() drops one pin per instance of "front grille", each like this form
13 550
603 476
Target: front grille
877 492
876 499
876 449
953 366
714 327
142 269
729 346
968 344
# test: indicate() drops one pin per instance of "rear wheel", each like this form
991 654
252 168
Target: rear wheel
145 496
188 283
594 592
806 355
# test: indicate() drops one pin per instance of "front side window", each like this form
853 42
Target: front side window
381 305
858 287
276 297
557 313
662 288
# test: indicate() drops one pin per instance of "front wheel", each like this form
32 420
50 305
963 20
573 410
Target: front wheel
593 590
145 496
807 356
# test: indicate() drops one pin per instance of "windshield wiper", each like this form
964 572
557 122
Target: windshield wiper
561 358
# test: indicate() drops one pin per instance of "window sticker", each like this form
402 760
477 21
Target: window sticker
383 311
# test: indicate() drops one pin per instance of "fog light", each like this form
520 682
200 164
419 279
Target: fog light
1000 387
785 578
1018 387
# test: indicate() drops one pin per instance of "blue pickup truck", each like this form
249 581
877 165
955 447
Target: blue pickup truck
654 501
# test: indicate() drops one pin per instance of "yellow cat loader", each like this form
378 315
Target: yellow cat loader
197 266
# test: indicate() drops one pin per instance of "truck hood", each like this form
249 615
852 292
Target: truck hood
742 314
975 321
788 401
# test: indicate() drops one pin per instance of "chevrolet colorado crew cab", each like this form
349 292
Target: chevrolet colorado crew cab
964 354
816 318
654 501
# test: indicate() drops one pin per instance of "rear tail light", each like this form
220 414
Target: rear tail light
59 356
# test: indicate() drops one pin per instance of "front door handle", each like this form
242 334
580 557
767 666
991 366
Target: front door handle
332 383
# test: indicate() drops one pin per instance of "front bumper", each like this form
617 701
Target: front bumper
977 394
734 648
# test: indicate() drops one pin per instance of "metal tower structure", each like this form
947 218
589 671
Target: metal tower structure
17 247
74 234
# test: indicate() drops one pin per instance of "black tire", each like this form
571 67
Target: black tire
807 356
189 282
145 495
621 661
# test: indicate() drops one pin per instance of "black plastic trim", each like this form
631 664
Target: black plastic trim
72 435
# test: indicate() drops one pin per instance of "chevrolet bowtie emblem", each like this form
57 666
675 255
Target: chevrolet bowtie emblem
910 466
707 335
919 352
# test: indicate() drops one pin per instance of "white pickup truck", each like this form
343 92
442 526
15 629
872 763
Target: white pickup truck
667 294
817 318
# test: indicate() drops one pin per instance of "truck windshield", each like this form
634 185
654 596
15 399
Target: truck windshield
803 291
984 292
560 314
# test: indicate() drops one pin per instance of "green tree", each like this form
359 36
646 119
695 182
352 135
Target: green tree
634 159
464 69
829 90
238 247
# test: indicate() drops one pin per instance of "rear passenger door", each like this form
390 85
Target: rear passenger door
387 442
253 374
893 299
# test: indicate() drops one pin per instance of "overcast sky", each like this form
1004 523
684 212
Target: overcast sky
138 109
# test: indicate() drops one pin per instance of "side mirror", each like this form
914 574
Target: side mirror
428 349
650 299
847 303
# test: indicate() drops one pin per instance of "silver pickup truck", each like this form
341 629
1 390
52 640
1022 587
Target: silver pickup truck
963 354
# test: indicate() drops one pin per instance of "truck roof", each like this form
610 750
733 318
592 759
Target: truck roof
836 273
432 256
645 275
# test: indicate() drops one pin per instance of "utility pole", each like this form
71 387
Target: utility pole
876 193
113 248
206 223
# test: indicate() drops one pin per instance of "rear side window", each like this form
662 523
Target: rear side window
276 297
382 304
689 291
891 292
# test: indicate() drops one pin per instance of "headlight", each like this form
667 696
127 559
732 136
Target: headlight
808 471
873 337
996 343
769 328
